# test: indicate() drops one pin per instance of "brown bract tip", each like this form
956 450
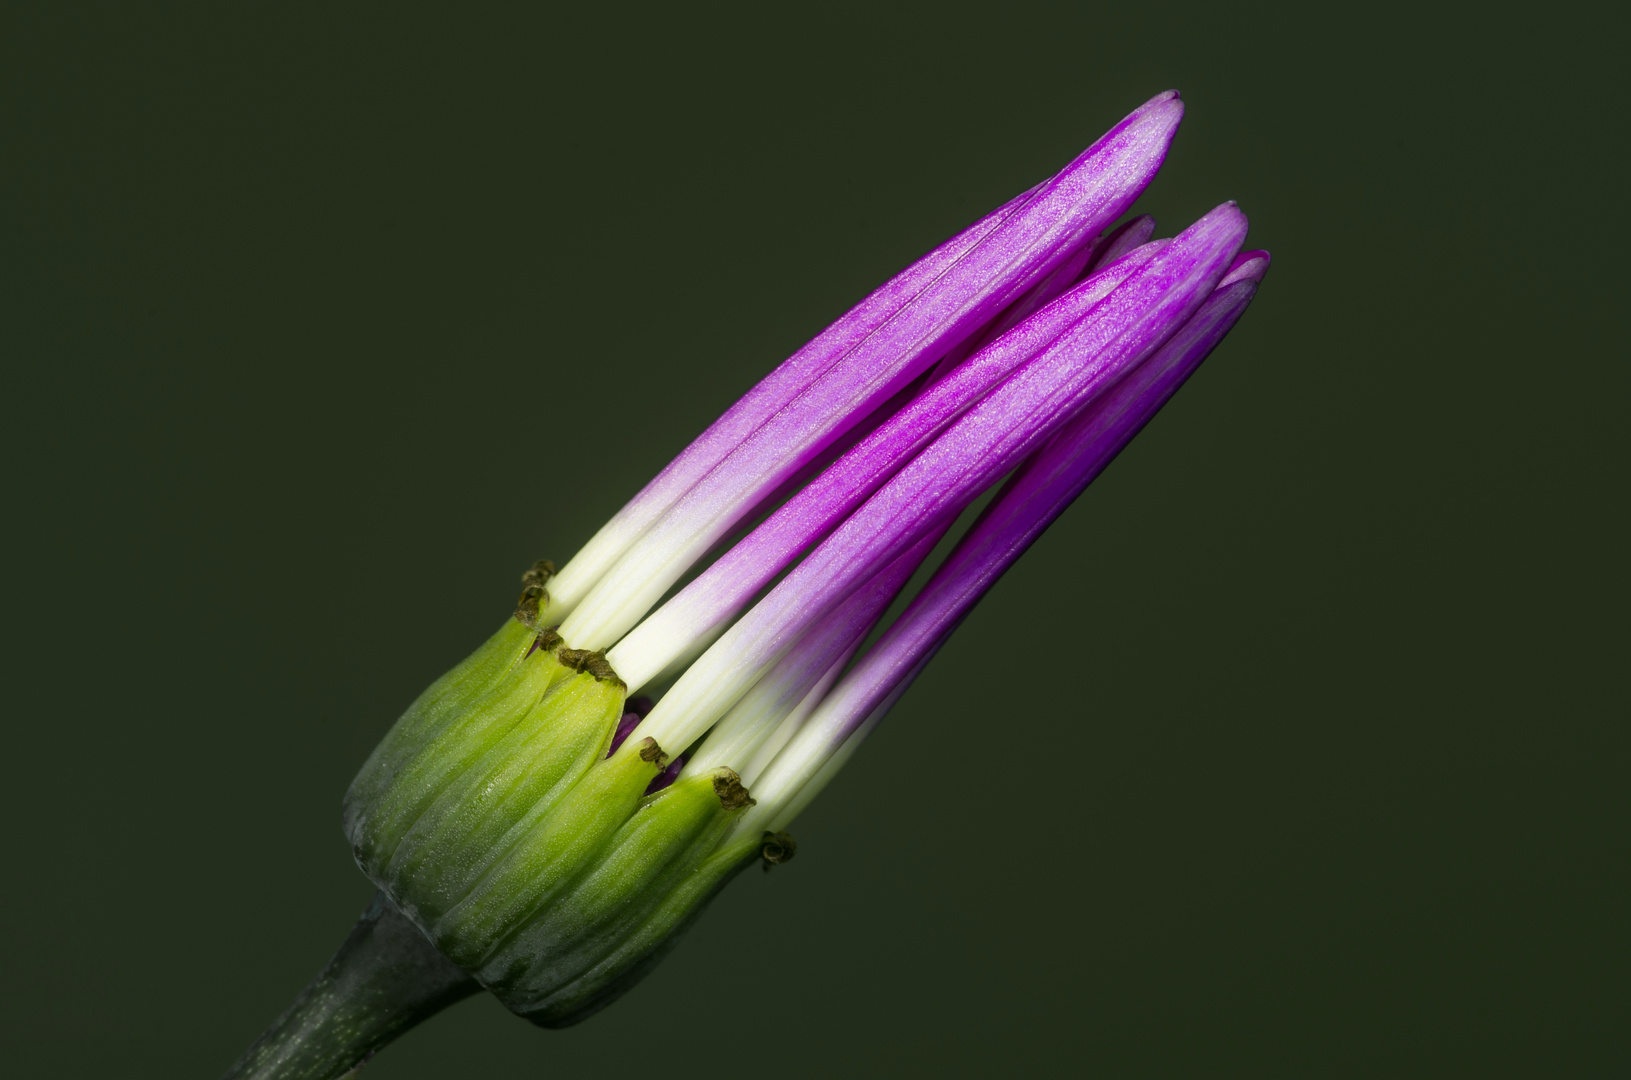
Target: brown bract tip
534 598
650 751
589 663
540 573
732 795
778 847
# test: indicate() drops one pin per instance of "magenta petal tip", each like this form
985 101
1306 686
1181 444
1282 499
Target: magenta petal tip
1167 101
1248 266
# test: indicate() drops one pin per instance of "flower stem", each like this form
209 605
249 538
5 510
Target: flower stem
386 978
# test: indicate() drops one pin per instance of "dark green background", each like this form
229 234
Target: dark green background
1298 747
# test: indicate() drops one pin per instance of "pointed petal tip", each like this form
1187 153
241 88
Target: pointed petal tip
1226 212
1166 102
1220 233
1164 110
1142 226
1250 266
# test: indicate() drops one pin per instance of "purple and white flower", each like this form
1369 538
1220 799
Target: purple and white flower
551 840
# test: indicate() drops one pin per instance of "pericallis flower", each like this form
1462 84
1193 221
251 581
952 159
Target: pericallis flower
536 831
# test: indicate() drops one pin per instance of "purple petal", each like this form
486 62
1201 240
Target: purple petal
771 393
819 655
992 437
1066 275
1029 244
1248 266
1088 260
726 587
1032 499
625 727
667 776
1118 242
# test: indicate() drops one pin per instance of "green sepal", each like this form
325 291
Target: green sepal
447 698
452 724
653 853
644 947
500 799
551 854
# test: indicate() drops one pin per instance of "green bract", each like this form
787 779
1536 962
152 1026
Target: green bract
617 918
495 819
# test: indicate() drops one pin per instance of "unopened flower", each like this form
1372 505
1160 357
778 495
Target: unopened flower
550 843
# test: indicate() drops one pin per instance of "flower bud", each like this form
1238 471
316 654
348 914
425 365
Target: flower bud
553 839
532 858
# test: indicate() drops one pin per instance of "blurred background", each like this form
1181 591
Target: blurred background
1293 749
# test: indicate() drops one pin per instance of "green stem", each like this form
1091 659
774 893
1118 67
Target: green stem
386 978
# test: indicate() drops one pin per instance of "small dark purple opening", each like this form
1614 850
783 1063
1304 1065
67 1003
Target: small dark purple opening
630 721
667 776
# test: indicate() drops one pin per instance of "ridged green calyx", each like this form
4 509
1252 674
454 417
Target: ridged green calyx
459 847
448 726
498 821
602 932
549 856
470 819
495 818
